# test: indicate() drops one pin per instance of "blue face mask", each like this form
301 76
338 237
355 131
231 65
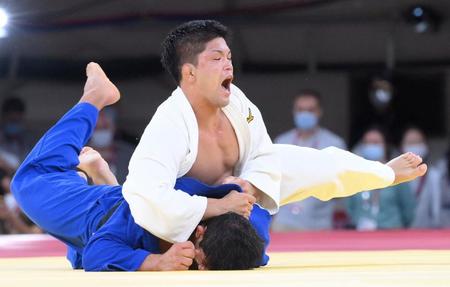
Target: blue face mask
305 120
372 151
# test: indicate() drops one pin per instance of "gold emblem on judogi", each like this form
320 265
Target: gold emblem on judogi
250 116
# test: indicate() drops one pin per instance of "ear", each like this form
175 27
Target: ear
200 231
188 72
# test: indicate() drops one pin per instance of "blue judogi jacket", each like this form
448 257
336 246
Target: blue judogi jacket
121 244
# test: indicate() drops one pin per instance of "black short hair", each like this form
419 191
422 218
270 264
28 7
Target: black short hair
13 104
309 93
231 243
185 42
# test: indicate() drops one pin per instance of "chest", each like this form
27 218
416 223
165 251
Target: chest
217 155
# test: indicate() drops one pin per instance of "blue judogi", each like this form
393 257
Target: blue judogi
55 197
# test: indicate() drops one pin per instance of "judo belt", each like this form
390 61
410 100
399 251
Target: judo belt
108 215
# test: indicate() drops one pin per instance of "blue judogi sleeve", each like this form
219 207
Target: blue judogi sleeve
120 244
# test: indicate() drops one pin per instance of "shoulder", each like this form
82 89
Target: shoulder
333 138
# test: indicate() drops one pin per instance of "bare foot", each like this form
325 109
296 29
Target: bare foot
91 162
98 90
407 166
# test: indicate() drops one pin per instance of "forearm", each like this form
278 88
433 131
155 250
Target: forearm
213 208
150 263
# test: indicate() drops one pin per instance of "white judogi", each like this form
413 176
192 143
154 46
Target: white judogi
168 149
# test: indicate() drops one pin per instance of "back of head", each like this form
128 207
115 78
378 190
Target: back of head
185 42
309 93
231 243
13 105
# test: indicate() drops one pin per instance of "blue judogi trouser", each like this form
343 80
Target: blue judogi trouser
49 190
55 197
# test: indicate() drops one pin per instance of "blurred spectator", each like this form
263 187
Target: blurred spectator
310 213
12 220
15 140
387 208
444 167
115 151
426 189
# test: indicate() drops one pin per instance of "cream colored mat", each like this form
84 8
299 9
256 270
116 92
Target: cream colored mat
373 268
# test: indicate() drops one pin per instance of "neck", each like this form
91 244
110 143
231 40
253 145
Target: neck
306 134
208 115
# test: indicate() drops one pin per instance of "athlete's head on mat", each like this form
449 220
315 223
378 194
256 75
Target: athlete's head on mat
197 56
227 242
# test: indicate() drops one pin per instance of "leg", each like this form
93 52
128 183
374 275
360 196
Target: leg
332 172
46 185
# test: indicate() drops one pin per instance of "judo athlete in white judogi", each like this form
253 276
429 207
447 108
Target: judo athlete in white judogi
208 129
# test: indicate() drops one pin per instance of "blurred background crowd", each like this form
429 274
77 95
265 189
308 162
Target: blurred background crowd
371 77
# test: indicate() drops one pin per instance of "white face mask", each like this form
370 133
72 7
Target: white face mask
420 149
11 202
102 138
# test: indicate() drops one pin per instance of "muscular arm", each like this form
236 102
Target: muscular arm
163 151
121 245
115 245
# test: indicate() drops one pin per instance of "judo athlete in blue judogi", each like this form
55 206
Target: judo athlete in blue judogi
95 222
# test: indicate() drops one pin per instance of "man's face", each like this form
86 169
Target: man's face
373 137
214 72
413 137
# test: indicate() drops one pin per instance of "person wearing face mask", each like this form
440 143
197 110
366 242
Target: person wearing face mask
388 208
443 166
15 139
309 214
426 190
116 151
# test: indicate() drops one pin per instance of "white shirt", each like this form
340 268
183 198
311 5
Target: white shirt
169 146
167 151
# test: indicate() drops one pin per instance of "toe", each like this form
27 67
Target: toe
417 160
90 68
422 169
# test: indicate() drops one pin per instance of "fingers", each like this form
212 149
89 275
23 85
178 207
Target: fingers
251 199
85 149
229 179
188 253
186 262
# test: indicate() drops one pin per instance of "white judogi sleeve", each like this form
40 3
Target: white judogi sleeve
162 153
261 166
327 173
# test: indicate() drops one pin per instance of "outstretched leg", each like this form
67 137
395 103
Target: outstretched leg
47 186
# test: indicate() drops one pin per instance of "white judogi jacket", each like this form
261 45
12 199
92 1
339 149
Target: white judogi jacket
168 149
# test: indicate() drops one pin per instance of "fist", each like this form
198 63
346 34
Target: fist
246 186
240 203
179 257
